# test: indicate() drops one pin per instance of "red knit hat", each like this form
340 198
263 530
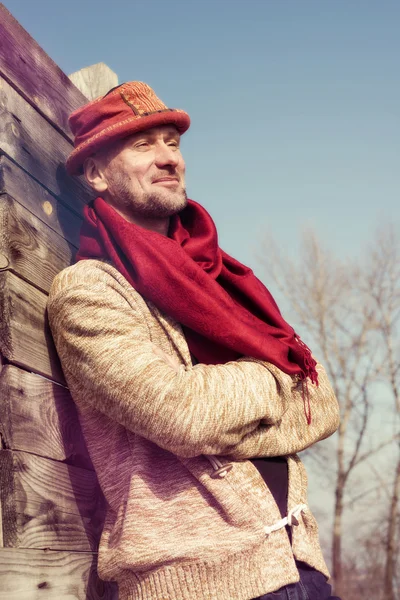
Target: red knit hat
124 110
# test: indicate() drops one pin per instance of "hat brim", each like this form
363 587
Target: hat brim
129 126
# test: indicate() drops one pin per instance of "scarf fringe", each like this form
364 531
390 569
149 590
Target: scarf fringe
310 373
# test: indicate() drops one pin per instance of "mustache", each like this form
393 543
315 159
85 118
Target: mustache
167 173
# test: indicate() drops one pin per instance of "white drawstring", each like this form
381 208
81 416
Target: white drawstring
291 519
220 469
217 464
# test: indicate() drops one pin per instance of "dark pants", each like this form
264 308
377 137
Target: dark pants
312 586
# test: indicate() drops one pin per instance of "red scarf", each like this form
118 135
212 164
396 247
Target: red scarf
225 311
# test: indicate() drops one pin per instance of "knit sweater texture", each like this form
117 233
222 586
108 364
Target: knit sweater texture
177 527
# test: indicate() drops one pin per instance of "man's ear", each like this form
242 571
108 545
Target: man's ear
94 175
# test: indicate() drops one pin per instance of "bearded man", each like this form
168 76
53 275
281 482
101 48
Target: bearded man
193 393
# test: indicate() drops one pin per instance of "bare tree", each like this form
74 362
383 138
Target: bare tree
383 281
330 303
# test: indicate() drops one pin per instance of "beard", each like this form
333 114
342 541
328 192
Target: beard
161 203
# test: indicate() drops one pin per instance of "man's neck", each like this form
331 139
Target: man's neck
159 225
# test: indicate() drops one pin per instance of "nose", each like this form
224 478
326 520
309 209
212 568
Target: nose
167 155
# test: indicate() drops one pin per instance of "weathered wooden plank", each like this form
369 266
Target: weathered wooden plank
27 138
34 251
25 338
95 80
52 529
38 79
40 417
47 575
48 504
1 524
15 182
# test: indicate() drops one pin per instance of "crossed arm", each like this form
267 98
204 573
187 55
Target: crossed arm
243 409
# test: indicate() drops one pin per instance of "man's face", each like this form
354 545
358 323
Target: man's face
145 174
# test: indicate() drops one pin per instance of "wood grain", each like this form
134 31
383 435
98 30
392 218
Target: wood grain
95 80
48 504
46 575
40 417
43 503
27 138
1 527
35 75
34 251
25 338
18 184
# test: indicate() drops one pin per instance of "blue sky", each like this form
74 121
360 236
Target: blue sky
294 104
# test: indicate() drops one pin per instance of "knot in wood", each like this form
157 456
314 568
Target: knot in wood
4 263
42 585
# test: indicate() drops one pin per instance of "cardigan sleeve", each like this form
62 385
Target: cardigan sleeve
292 433
106 352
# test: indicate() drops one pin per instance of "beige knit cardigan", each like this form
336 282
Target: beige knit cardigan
178 527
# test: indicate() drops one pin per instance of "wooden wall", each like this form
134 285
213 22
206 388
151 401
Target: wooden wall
50 502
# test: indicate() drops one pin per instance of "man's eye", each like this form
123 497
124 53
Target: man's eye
142 145
174 144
